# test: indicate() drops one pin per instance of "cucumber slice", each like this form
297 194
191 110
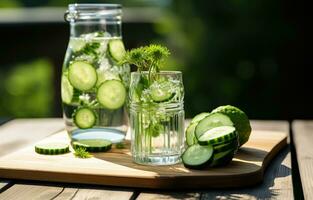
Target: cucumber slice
111 94
52 148
117 49
211 121
218 135
197 156
161 92
67 90
105 75
84 118
190 134
233 144
82 75
199 117
222 158
93 145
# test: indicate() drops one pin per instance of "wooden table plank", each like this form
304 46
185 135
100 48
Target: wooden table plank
303 138
277 182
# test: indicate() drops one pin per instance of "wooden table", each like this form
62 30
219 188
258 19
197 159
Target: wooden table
283 178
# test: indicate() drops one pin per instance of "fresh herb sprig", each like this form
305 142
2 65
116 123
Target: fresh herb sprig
148 58
81 152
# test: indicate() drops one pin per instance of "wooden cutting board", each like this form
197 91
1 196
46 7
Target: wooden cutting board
115 168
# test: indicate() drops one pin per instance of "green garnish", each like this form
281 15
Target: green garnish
81 152
120 145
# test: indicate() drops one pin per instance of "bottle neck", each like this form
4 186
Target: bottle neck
78 28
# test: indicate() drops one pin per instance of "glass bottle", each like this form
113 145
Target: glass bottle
94 85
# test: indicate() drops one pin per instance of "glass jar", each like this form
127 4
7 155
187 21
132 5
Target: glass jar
157 117
94 85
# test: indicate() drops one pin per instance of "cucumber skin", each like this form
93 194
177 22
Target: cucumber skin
75 120
52 151
224 160
92 149
221 140
165 100
194 139
234 144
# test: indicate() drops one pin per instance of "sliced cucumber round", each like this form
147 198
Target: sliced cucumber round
190 134
112 94
67 90
117 49
211 121
197 156
161 92
222 158
93 145
218 135
85 118
233 144
52 148
105 75
199 117
82 75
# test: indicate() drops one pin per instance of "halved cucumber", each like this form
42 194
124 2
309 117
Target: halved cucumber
111 94
211 121
93 145
67 90
199 117
117 49
190 134
82 75
218 135
222 158
161 92
197 156
52 148
85 118
233 144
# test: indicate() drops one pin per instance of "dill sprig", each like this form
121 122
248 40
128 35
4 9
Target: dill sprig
81 152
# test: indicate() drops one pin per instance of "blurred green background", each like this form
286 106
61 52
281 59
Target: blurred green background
252 54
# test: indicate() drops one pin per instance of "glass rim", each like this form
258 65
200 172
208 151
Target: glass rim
161 72
95 6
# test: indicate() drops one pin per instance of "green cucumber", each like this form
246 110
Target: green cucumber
111 94
218 135
199 117
197 156
222 158
85 118
104 76
93 145
161 92
211 121
52 148
117 49
82 75
67 90
233 144
190 134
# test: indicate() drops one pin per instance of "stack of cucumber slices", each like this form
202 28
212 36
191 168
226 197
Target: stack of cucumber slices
213 138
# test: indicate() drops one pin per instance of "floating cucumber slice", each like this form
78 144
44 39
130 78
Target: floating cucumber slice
190 134
76 44
93 145
117 49
111 94
161 91
67 90
105 76
211 121
52 148
218 135
82 75
84 118
197 156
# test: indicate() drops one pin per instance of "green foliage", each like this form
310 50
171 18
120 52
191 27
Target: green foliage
80 152
27 90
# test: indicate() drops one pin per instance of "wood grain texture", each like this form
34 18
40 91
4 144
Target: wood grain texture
117 168
303 138
168 196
